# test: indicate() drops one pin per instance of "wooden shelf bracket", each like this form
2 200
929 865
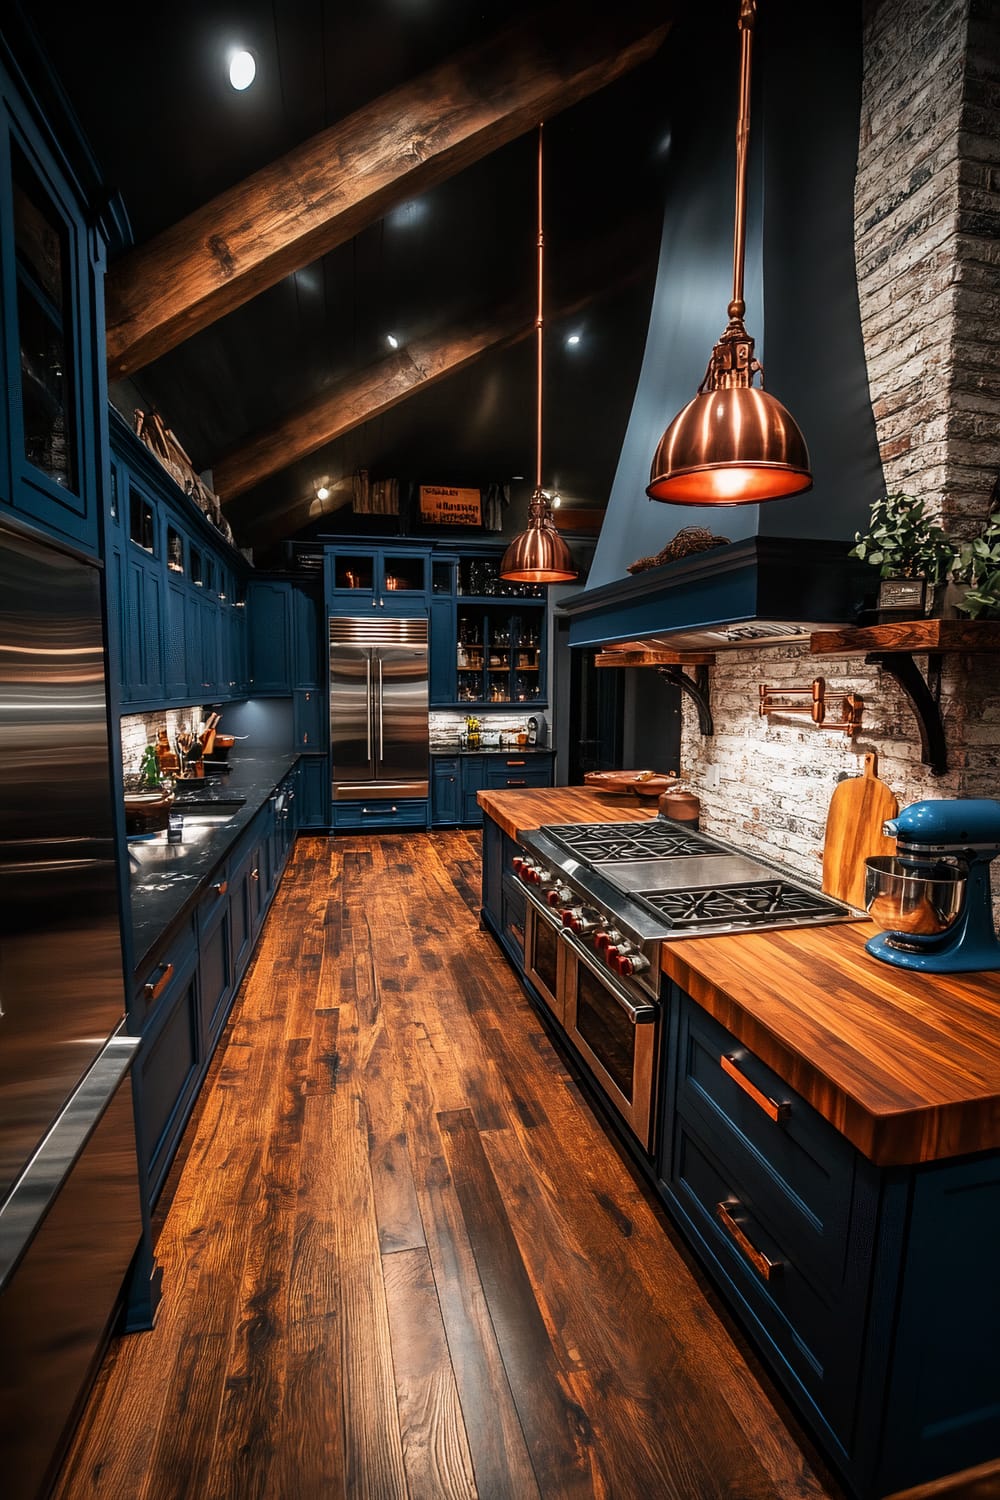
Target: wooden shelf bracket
924 696
696 688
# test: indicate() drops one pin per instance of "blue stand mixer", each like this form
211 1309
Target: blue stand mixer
933 897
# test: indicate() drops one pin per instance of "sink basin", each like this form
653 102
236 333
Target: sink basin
200 821
207 812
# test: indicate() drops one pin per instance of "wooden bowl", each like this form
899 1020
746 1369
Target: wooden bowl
628 783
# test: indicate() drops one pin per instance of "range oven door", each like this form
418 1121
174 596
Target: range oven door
616 1031
544 955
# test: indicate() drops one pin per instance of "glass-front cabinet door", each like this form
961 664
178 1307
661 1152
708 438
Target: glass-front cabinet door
49 321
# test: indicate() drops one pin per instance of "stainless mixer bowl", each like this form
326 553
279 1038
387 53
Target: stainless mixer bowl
900 900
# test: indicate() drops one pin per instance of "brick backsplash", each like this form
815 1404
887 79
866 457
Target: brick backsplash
139 730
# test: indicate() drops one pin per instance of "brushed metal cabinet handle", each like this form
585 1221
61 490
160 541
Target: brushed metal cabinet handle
254 874
221 887
775 1109
767 1269
153 991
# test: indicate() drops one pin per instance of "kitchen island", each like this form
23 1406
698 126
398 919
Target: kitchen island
827 1136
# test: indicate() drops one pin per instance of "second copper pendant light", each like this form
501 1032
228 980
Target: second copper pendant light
539 554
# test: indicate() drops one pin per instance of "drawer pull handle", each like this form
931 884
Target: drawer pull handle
513 781
765 1268
254 874
517 762
221 887
775 1109
154 991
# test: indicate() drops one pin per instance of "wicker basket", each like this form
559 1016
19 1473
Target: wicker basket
689 539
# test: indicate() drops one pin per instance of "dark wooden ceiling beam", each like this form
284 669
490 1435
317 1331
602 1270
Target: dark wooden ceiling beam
337 183
358 398
623 255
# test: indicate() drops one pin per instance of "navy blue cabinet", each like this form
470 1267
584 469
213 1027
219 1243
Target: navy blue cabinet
871 1293
507 771
313 792
391 578
446 791
54 230
175 590
269 607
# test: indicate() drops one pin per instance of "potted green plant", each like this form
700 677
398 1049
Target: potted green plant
976 570
911 552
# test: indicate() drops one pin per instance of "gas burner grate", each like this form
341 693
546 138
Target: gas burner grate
611 843
763 903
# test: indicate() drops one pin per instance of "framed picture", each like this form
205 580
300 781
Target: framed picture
447 505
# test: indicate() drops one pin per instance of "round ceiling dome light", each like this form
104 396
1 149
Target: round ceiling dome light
242 69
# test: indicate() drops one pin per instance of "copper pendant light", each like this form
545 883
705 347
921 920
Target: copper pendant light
734 444
539 554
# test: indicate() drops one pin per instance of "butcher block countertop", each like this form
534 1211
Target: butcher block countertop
905 1065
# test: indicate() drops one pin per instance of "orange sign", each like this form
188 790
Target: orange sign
444 505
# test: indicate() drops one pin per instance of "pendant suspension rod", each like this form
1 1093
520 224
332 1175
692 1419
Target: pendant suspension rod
748 15
539 324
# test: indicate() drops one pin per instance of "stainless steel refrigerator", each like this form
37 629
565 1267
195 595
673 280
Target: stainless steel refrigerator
70 1217
379 736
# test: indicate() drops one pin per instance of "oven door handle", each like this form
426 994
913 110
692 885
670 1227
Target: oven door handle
639 1015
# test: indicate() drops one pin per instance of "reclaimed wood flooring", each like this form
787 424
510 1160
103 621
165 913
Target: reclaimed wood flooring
402 1258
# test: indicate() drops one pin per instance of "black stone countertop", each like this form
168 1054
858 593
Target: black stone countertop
458 749
166 879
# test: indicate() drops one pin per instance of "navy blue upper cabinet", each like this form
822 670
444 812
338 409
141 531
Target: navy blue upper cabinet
391 577
52 260
176 590
269 606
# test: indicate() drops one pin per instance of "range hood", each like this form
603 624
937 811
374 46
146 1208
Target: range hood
762 591
784 569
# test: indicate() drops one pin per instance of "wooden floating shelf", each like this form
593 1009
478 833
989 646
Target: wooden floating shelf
636 657
914 636
893 647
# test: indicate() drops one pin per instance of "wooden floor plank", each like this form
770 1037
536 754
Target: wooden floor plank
435 1446
557 1431
401 1256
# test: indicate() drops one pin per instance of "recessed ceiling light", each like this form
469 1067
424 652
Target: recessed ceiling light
322 493
392 341
572 340
242 69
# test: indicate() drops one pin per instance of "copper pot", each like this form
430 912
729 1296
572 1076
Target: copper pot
681 807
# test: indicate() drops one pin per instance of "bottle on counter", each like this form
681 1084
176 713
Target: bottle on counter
166 758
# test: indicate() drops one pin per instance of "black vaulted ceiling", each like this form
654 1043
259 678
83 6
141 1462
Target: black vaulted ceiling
150 88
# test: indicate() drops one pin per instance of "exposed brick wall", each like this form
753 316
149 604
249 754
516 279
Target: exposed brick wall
928 258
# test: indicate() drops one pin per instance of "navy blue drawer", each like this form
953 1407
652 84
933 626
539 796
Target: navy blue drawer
797 1170
379 814
514 775
814 1338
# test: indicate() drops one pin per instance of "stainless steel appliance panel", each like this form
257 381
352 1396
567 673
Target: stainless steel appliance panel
57 1309
351 744
379 728
61 981
401 737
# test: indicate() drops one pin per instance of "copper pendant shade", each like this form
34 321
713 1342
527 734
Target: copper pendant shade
733 444
538 554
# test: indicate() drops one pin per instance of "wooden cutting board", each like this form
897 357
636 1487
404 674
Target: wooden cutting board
858 808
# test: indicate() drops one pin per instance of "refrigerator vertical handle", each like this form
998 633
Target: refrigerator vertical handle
368 700
380 755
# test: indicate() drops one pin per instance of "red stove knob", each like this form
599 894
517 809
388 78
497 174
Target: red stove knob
632 963
604 940
558 895
575 917
518 863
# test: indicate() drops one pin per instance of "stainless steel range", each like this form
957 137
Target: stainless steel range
640 884
604 897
